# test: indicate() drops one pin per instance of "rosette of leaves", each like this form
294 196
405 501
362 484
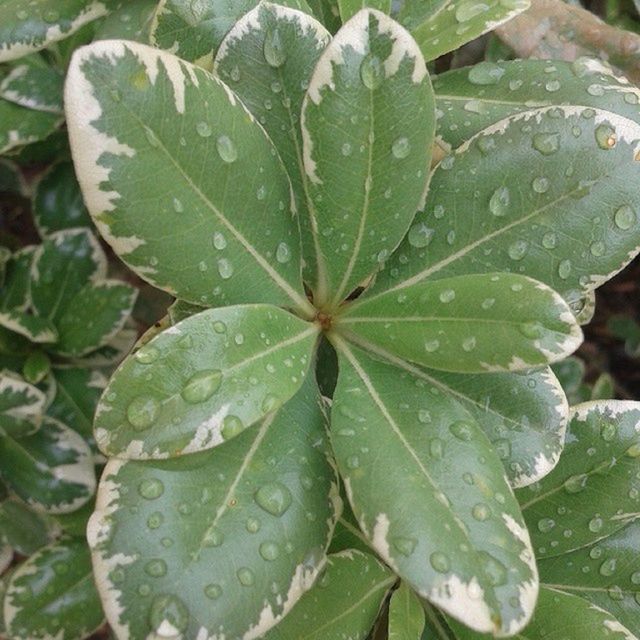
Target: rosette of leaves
307 158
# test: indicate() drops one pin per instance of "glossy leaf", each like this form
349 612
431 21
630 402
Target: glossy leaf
349 8
36 367
75 523
21 407
220 542
132 21
523 415
14 294
36 329
367 124
193 31
468 324
595 490
561 616
113 353
462 545
27 26
267 59
406 615
33 84
217 177
94 316
51 470
20 126
328 12
440 26
57 201
62 265
23 529
203 381
471 99
571 224
52 593
344 602
606 574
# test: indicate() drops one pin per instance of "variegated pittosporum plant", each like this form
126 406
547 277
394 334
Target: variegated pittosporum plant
278 436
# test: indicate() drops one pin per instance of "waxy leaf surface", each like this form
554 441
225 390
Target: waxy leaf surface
204 381
220 542
368 123
462 545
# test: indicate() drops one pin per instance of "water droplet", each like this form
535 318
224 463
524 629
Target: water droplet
213 591
226 149
353 462
431 346
487 303
546 524
231 427
469 344
219 241
468 10
494 569
462 430
204 129
168 616
635 577
420 235
178 207
576 483
549 240
401 148
608 567
202 386
552 85
446 296
273 49
499 202
564 269
404 546
212 538
156 568
245 576
485 73
371 72
540 184
142 412
439 561
151 488
347 149
608 431
532 330
225 268
624 217
269 550
595 524
155 520
503 447
147 355
274 498
546 143
283 253
481 512
634 451
270 403
518 250
436 448
605 136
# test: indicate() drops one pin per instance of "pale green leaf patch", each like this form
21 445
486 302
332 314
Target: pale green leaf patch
52 595
203 381
571 224
268 59
220 542
324 613
462 545
20 126
368 123
214 188
33 84
468 324
406 615
21 406
51 470
594 492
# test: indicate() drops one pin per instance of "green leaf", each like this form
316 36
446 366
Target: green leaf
15 290
51 470
406 615
368 125
606 574
57 201
571 372
34 84
11 178
113 353
77 394
27 25
468 324
523 415
570 223
6 558
349 8
267 59
21 407
20 126
561 616
62 265
75 523
36 329
23 529
52 594
218 178
226 540
462 545
440 26
344 602
94 316
328 12
473 98
203 381
36 367
132 21
194 30
594 491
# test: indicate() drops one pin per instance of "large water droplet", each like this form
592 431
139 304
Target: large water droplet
608 567
273 49
546 524
401 148
546 143
269 550
283 253
213 591
151 488
226 149
202 386
404 545
371 72
564 269
168 616
462 430
225 268
420 235
485 73
204 129
575 483
481 512
156 568
499 202
605 136
274 498
595 524
142 412
518 250
245 576
439 561
624 217
231 427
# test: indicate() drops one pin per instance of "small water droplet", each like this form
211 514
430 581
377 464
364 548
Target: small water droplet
518 250
608 431
446 296
371 72
204 129
575 483
485 73
273 49
401 148
270 403
151 488
494 569
226 149
225 268
605 136
245 576
156 568
462 430
499 202
420 235
431 346
347 149
219 241
469 344
552 86
595 524
147 355
269 550
540 184
532 330
231 427
403 545
142 412
283 253
274 498
481 512
202 386
168 616
624 217
546 143
608 567
469 9
549 240
439 561
564 269
546 524
213 591
155 520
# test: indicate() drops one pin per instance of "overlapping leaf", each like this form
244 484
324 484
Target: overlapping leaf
21 407
348 8
20 126
367 123
132 21
406 615
220 542
34 84
23 529
204 381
